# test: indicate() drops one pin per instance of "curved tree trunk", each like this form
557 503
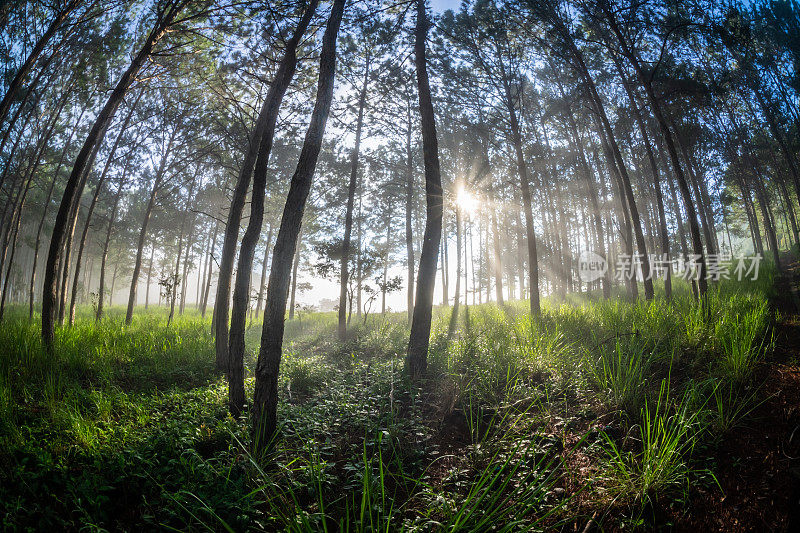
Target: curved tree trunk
76 181
255 147
40 227
419 338
348 218
265 399
241 292
662 218
87 224
137 264
683 186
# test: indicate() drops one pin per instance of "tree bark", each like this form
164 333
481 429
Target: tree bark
241 292
697 243
348 218
417 357
265 400
76 181
137 265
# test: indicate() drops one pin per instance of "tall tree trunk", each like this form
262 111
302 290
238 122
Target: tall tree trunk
591 191
626 226
678 216
263 284
102 289
769 224
257 148
241 292
37 161
417 357
776 133
40 227
359 258
76 181
137 265
758 245
683 186
524 181
210 270
409 209
615 159
265 400
93 204
348 218
705 224
662 218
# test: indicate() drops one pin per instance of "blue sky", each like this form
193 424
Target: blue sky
441 6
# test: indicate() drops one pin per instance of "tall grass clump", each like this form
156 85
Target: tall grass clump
511 493
655 458
741 334
622 372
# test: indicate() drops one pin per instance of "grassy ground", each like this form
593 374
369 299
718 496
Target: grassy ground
606 412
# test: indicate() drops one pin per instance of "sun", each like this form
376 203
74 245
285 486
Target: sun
466 201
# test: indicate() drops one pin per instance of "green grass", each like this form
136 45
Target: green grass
127 426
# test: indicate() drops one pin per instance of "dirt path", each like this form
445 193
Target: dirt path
758 465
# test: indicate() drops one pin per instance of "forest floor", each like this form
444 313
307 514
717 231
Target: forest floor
758 465
601 416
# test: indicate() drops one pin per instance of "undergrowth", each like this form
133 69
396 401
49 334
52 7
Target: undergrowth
126 426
